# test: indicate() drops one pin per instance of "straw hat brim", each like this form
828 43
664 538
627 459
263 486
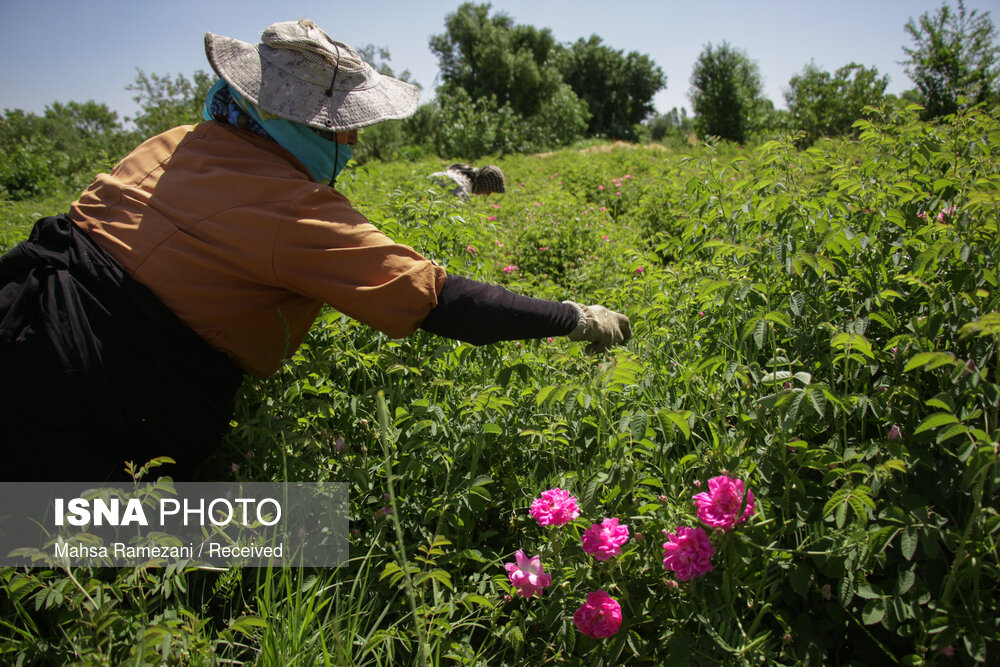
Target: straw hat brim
251 70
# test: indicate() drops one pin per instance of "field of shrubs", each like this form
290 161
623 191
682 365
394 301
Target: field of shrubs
793 461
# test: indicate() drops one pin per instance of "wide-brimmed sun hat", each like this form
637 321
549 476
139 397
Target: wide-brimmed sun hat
488 179
299 73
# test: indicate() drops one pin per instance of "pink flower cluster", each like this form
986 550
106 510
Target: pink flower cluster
604 540
510 269
688 551
555 508
947 213
599 617
527 575
944 216
720 506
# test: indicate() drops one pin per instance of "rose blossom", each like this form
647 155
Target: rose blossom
527 574
554 508
599 617
719 507
688 552
605 539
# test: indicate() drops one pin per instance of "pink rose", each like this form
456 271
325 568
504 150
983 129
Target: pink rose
719 507
599 617
527 575
688 553
894 432
554 508
605 540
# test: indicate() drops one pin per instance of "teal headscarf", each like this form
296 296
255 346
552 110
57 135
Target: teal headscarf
323 158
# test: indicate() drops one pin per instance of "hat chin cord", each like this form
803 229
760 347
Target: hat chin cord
336 160
329 93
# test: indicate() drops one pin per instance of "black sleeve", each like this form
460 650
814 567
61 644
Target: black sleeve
478 313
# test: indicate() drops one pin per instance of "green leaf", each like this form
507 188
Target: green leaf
817 399
873 612
942 183
904 582
908 543
936 420
938 403
777 377
637 425
680 420
951 432
544 394
867 592
246 624
852 341
588 499
797 304
475 598
780 318
800 578
987 325
759 331
929 360
826 265
838 498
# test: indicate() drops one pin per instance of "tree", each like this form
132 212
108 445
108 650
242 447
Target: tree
59 150
487 56
821 104
617 88
675 122
389 139
490 65
954 54
167 102
726 93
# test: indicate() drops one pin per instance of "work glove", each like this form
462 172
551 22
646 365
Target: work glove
599 326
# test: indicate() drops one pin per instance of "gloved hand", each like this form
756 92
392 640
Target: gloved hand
600 326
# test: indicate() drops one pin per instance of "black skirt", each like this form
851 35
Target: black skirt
95 370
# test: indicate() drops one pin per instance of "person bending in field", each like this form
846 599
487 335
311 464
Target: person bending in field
127 324
463 180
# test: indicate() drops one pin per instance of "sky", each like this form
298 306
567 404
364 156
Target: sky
79 50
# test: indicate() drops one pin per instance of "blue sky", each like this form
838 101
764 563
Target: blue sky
62 50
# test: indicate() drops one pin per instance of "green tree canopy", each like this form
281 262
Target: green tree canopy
492 56
501 90
824 104
617 88
167 102
59 150
954 54
726 93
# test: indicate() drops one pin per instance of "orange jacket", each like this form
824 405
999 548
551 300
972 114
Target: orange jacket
229 231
